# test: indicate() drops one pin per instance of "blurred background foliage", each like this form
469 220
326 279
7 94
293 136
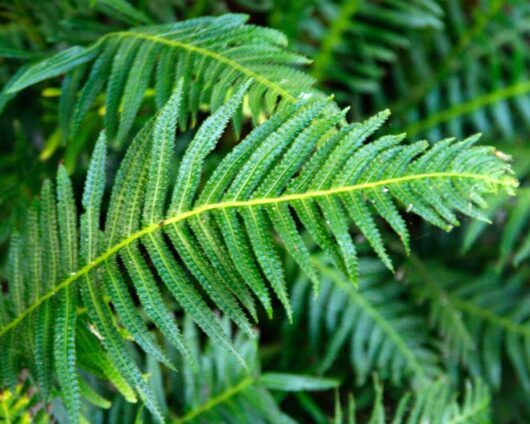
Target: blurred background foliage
459 311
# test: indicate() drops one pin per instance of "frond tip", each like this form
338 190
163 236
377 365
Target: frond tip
301 169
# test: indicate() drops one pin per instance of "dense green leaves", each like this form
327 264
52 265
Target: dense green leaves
266 185
471 77
351 40
220 389
184 237
479 322
372 325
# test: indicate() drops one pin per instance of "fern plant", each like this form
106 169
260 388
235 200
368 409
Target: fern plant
205 179
222 233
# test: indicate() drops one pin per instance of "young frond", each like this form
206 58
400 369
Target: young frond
436 404
373 325
211 55
209 241
481 322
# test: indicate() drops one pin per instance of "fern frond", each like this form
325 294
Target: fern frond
212 55
373 324
213 240
514 242
436 404
480 321
220 389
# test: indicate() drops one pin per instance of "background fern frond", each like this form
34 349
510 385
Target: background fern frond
351 41
481 322
372 325
241 394
471 77
212 55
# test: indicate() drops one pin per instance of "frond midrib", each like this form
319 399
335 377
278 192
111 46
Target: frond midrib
332 38
515 90
466 306
490 316
507 181
208 53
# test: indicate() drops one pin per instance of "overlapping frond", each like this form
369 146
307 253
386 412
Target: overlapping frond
371 325
210 243
511 218
436 404
211 55
482 321
515 243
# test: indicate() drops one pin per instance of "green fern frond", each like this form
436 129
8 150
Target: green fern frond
220 389
216 234
372 323
435 404
212 55
480 321
514 242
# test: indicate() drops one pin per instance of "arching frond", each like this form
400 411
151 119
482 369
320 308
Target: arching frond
211 55
371 325
436 404
481 321
212 241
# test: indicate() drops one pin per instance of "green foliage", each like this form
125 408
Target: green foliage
207 192
481 322
210 55
242 394
21 406
436 404
472 77
222 233
378 330
355 38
